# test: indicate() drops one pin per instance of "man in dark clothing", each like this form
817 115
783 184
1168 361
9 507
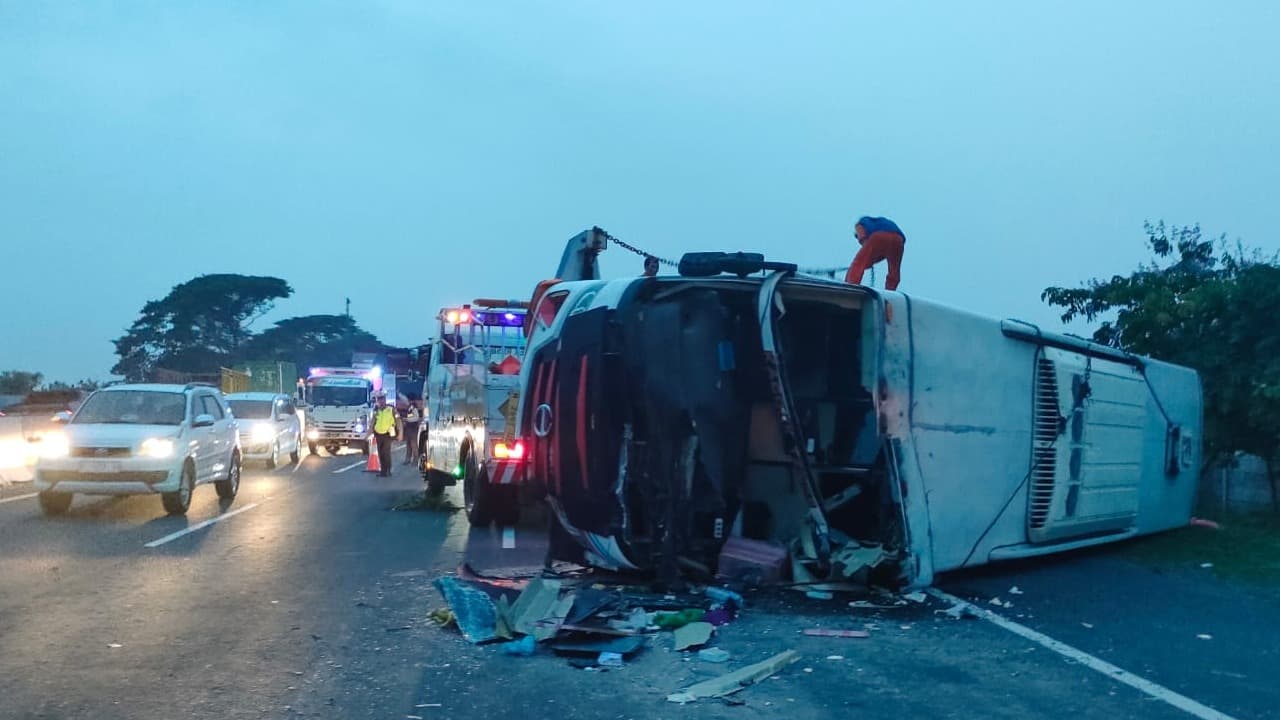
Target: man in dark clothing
385 425
410 421
881 239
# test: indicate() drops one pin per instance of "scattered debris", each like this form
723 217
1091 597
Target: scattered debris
523 647
960 611
473 610
824 632
819 595
538 601
713 655
673 620
625 646
609 659
1206 565
1015 591
751 562
724 596
443 617
835 657
916 597
114 646
1201 522
1204 636
1000 603
733 682
1087 626
693 635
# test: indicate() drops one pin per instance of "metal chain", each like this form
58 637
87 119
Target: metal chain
827 272
632 248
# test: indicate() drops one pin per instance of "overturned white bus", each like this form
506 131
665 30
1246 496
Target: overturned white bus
872 434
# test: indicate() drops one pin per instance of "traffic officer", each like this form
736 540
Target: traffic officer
385 425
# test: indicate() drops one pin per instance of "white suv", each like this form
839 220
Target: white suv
138 439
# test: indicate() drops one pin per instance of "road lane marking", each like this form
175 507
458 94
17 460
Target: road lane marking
198 526
295 467
1159 692
508 538
355 464
16 498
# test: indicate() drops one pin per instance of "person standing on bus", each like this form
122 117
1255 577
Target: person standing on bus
384 432
881 239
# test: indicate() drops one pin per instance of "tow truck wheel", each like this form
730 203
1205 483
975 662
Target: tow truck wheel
475 492
54 503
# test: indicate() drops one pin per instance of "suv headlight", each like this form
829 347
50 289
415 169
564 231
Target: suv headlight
262 433
53 445
156 448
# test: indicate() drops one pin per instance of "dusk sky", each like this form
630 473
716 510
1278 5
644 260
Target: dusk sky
411 155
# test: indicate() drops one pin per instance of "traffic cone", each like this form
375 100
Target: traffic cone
374 464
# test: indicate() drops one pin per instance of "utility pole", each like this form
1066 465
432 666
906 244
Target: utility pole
348 307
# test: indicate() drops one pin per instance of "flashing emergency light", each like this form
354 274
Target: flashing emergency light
457 316
514 451
501 319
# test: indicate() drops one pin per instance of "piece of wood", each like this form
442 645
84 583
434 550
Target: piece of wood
730 683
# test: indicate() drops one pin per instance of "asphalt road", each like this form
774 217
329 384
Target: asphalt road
311 601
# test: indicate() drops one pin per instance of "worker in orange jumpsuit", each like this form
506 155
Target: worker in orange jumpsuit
881 239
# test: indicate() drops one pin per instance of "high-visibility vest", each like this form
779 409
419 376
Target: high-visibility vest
384 420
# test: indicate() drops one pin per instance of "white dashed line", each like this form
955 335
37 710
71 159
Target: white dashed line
355 464
1159 692
198 526
508 538
16 498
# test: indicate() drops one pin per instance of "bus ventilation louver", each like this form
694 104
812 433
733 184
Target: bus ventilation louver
1044 456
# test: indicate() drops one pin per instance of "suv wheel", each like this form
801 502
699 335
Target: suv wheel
228 487
274 459
177 502
54 503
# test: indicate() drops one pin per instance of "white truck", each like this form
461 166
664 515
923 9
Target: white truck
338 406
470 396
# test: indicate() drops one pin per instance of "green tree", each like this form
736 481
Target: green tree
86 385
198 326
18 382
312 340
1209 306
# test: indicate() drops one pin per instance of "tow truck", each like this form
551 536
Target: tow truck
338 405
470 395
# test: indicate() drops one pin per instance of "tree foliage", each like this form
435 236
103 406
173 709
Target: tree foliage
198 326
313 340
1206 305
18 382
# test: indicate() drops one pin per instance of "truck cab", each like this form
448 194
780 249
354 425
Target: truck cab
470 396
338 406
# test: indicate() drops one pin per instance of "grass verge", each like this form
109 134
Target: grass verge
1245 549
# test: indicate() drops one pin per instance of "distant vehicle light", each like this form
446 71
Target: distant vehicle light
156 448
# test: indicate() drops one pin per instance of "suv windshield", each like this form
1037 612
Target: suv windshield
339 395
251 409
133 407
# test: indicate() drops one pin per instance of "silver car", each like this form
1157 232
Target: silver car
269 426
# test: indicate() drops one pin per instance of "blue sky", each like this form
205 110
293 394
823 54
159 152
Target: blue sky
411 155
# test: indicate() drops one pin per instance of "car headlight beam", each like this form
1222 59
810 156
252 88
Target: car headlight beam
262 433
53 445
156 448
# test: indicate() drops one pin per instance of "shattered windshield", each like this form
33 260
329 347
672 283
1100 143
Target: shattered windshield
133 407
